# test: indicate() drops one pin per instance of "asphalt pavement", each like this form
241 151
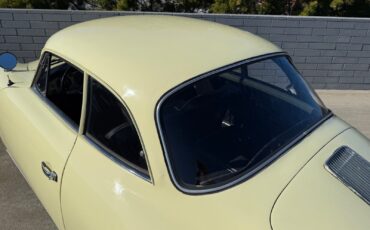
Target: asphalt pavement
20 208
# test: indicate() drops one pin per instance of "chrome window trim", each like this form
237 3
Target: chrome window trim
43 97
244 176
115 158
105 151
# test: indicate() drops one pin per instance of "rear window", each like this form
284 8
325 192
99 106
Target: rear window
226 126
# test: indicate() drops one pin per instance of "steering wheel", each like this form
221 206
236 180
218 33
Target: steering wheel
62 81
116 130
69 82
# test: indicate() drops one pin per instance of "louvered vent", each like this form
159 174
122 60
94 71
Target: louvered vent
352 169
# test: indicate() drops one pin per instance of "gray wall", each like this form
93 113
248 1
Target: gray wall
332 53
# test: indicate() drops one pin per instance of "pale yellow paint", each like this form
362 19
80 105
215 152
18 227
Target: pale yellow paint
315 199
139 59
32 133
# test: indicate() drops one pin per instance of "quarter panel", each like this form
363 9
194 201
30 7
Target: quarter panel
315 199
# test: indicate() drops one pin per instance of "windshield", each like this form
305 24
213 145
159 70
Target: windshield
224 125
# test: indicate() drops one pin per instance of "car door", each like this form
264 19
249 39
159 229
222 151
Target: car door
40 125
107 184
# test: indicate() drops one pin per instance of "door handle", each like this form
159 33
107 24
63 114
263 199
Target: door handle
51 175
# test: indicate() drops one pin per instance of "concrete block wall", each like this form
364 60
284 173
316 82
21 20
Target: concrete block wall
331 52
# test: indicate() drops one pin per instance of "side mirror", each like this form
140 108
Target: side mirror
8 61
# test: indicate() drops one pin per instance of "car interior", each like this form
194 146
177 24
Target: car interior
64 88
220 126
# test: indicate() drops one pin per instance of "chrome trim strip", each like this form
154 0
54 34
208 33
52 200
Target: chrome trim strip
119 161
246 175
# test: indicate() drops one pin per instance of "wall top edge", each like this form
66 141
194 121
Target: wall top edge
202 15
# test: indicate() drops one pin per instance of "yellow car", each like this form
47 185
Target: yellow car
161 122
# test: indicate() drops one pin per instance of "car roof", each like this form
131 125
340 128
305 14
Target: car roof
142 57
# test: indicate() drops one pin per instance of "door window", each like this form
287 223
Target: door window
111 128
62 84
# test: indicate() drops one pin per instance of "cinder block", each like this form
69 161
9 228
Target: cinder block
330 66
315 73
292 22
44 25
18 39
310 38
27 17
325 31
322 46
31 32
364 60
303 31
365 74
9 46
319 60
257 22
337 39
331 79
313 23
362 26
41 40
342 46
366 47
283 37
363 40
340 73
339 24
302 66
306 52
350 80
33 47
293 45
24 54
6 16
270 30
357 67
359 54
279 23
57 17
8 31
15 24
353 32
344 60
333 53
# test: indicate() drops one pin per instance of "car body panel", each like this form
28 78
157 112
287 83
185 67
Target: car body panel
319 199
128 57
117 199
33 133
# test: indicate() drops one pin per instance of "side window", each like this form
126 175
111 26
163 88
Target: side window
62 84
42 74
109 125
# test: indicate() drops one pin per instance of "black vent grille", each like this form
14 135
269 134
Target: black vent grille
352 169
